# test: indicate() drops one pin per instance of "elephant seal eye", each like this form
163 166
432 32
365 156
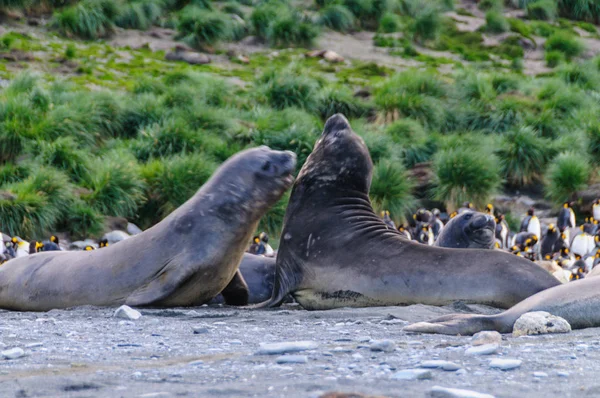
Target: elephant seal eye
266 166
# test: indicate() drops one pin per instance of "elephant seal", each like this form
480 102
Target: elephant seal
185 260
578 302
336 252
468 230
257 277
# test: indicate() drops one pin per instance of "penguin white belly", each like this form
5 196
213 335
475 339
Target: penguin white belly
583 244
589 263
596 212
572 218
268 250
534 227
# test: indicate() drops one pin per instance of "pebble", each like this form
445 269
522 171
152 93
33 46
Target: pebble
13 353
412 374
196 363
539 322
127 312
443 392
562 374
292 359
486 337
505 364
439 364
540 374
383 345
486 349
285 347
200 329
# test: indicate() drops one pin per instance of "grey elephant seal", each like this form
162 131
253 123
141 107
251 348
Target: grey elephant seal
256 274
186 259
468 230
336 252
578 302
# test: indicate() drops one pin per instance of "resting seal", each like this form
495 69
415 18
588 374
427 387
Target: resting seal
468 230
336 252
186 259
578 302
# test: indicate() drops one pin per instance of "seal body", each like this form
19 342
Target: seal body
578 302
336 252
186 259
468 230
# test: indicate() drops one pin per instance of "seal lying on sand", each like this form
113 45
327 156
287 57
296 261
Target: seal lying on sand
336 252
468 230
186 259
578 302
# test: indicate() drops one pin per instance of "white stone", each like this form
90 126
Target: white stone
443 392
383 345
200 329
439 364
486 349
540 322
285 347
486 337
126 312
540 374
505 364
412 374
13 353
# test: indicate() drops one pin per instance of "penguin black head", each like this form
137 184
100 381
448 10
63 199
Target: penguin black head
256 239
103 243
264 237
54 239
88 248
551 228
530 211
489 209
33 247
436 212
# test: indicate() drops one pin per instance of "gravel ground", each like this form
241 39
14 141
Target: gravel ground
86 352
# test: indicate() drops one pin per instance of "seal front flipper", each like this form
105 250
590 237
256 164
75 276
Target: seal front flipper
163 285
288 276
236 292
459 324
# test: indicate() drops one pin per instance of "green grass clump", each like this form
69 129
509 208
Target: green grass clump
291 29
523 157
554 58
544 10
263 15
337 17
169 137
583 10
340 100
171 182
487 5
89 19
495 22
412 139
389 23
593 136
427 24
392 189
567 174
115 184
14 172
582 75
566 44
201 28
286 89
465 174
83 222
139 14
64 154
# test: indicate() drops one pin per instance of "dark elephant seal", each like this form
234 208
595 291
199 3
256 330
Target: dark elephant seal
257 277
578 302
186 259
336 252
468 230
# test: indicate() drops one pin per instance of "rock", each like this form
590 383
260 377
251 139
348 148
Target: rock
443 392
200 329
505 364
286 347
412 374
115 236
292 359
486 337
540 322
133 229
383 345
540 374
243 59
333 57
13 353
438 364
562 374
127 312
191 58
486 349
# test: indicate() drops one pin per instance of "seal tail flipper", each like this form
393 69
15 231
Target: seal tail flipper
236 292
459 324
288 276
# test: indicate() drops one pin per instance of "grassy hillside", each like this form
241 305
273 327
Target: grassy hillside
490 96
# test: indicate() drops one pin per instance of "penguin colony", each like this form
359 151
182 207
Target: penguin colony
567 250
